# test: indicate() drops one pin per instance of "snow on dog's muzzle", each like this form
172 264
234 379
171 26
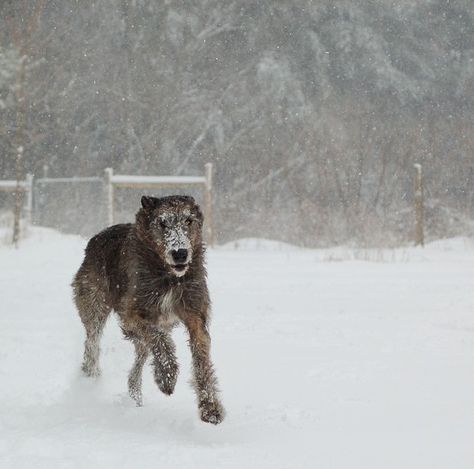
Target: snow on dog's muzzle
179 253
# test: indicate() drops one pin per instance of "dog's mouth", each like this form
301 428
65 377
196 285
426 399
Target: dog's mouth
179 269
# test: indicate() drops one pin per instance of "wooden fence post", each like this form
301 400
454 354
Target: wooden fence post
419 207
29 199
208 205
109 189
18 196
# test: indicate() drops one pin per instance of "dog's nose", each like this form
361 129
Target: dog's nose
180 256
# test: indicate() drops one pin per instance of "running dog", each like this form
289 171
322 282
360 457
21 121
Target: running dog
152 274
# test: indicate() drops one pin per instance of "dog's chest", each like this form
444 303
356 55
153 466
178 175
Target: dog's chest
167 309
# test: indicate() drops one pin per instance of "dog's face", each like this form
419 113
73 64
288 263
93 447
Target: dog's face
173 227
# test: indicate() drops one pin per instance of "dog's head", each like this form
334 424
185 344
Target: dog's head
172 227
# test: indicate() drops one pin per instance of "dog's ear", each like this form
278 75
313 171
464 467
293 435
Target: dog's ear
199 214
149 203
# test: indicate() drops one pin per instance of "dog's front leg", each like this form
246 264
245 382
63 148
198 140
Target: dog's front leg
205 380
164 361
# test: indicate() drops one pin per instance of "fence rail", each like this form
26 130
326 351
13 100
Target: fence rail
11 186
48 180
151 182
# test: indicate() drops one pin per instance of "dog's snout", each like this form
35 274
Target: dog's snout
180 256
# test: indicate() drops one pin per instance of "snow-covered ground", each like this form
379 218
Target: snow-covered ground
326 359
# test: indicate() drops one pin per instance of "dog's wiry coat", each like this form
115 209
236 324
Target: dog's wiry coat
152 274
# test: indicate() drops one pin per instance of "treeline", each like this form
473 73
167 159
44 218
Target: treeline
313 113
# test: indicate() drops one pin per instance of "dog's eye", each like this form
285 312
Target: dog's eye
162 225
189 221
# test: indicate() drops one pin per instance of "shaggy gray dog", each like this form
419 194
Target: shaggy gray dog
152 274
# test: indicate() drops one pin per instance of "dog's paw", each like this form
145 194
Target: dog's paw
136 395
91 371
212 412
135 388
166 379
166 384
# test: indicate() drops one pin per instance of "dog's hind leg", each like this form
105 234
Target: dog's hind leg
93 312
94 328
164 361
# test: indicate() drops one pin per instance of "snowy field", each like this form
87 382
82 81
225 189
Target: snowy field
326 359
